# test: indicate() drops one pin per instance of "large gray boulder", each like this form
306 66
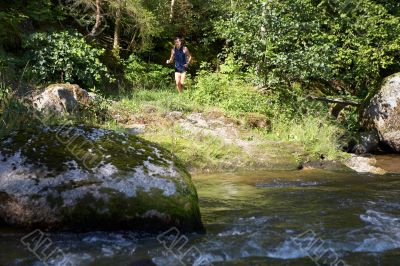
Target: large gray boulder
67 178
383 112
61 99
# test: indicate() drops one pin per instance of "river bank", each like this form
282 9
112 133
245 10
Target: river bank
209 139
205 138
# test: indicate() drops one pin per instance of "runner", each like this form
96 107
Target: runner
182 57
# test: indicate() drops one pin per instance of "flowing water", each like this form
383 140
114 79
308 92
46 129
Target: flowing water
255 218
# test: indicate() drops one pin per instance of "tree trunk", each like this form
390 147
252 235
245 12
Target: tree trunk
132 44
117 28
98 19
171 13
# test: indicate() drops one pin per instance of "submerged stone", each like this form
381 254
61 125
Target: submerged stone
80 178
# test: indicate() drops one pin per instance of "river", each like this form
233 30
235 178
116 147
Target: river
312 217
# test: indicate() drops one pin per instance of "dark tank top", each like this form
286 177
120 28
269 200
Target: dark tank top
180 59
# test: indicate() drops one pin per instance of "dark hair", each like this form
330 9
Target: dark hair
178 38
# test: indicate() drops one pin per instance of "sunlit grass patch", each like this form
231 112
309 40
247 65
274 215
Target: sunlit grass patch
198 151
318 134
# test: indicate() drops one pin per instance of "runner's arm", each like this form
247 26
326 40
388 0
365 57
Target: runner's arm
172 57
188 56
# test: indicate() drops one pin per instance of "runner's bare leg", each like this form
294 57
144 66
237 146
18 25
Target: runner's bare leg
179 86
183 77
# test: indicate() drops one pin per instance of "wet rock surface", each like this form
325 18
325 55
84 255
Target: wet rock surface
364 164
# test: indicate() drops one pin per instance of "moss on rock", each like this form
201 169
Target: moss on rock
89 178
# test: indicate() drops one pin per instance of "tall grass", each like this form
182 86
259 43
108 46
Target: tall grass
314 130
318 134
292 120
229 92
14 114
199 151
165 100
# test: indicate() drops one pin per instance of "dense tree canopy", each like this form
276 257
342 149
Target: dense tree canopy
343 47
256 58
333 47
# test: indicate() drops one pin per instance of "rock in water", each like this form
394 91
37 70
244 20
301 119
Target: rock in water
383 112
61 98
362 164
80 178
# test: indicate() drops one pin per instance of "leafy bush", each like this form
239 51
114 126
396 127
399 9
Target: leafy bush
15 113
229 91
343 47
65 57
147 75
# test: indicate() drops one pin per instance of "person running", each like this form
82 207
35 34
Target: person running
182 57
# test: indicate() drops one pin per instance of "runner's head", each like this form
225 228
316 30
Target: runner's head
178 42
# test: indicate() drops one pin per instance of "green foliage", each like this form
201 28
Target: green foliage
293 48
318 134
190 18
217 89
138 24
228 90
95 112
5 91
162 100
141 23
348 118
15 16
15 113
9 23
193 20
337 46
65 57
3 62
147 75
198 151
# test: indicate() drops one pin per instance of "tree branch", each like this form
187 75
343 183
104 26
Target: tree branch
171 13
98 19
337 100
